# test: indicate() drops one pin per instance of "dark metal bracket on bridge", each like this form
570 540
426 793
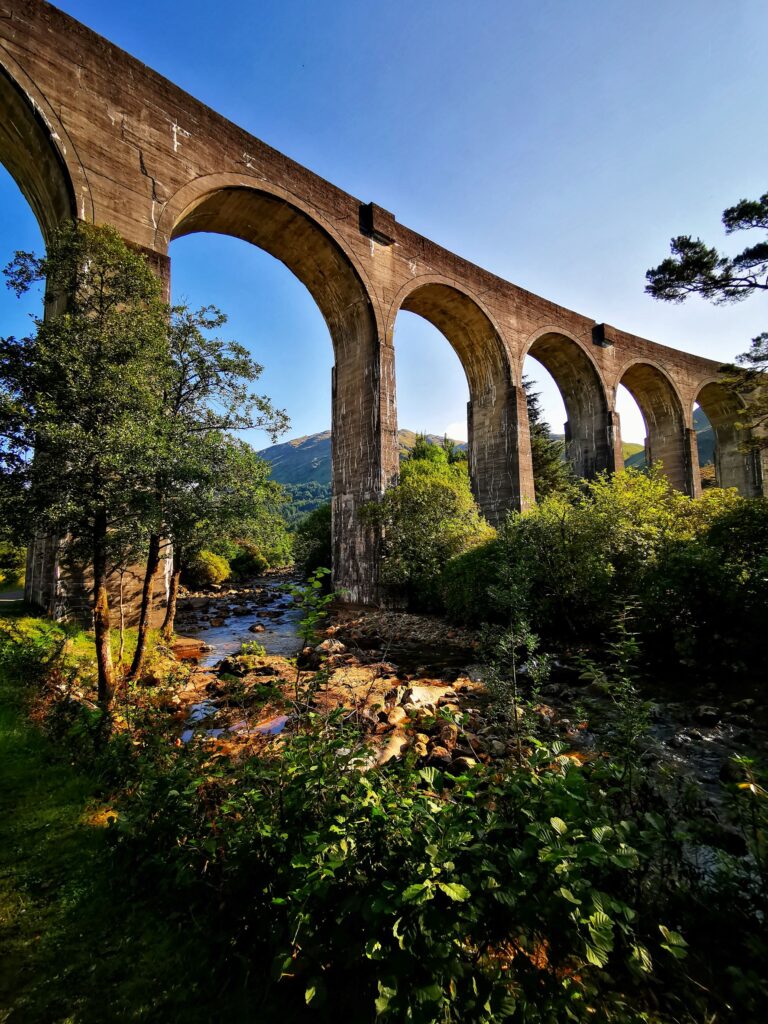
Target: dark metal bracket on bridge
377 223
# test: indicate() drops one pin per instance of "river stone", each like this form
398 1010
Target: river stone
439 757
257 628
396 744
331 646
397 716
707 715
449 734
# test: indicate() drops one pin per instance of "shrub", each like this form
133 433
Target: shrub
13 558
429 517
402 894
248 561
312 544
466 581
705 600
205 569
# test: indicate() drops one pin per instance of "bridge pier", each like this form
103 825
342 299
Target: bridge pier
499 452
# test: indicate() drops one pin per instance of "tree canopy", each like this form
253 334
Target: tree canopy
695 268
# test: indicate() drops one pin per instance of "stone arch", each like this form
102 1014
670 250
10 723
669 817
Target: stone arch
38 154
733 468
363 421
590 444
495 417
668 437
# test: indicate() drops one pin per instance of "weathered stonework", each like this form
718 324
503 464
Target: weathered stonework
88 131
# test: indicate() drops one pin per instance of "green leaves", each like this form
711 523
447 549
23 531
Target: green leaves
458 893
674 943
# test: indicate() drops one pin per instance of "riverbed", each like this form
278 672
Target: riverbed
694 731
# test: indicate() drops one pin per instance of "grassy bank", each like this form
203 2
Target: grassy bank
75 942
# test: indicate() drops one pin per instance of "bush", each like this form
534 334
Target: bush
13 559
426 519
705 600
249 561
205 569
312 546
696 570
467 580
524 894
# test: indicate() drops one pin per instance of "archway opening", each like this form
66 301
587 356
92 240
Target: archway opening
432 388
363 443
22 231
717 411
491 414
632 428
583 406
666 439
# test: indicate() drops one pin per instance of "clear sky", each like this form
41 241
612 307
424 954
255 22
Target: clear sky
557 143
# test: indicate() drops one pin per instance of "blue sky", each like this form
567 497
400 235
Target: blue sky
559 144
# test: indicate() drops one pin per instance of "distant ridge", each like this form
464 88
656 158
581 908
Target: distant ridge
305 460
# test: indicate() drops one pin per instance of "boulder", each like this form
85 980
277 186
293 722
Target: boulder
331 646
397 716
705 714
449 735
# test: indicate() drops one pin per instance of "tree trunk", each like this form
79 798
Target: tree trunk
101 624
153 560
173 593
121 648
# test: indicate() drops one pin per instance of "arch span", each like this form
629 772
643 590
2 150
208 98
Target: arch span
733 468
668 438
590 441
363 419
33 152
497 420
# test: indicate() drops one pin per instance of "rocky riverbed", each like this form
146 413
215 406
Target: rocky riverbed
407 680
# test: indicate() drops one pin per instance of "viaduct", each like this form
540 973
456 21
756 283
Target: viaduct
87 131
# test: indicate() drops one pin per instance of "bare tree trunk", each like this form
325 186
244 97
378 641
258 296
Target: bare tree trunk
173 593
153 560
121 648
101 624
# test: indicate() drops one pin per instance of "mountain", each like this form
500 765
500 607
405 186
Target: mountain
308 459
303 465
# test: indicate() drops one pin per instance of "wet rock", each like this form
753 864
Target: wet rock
744 705
680 739
241 610
217 622
257 628
705 714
